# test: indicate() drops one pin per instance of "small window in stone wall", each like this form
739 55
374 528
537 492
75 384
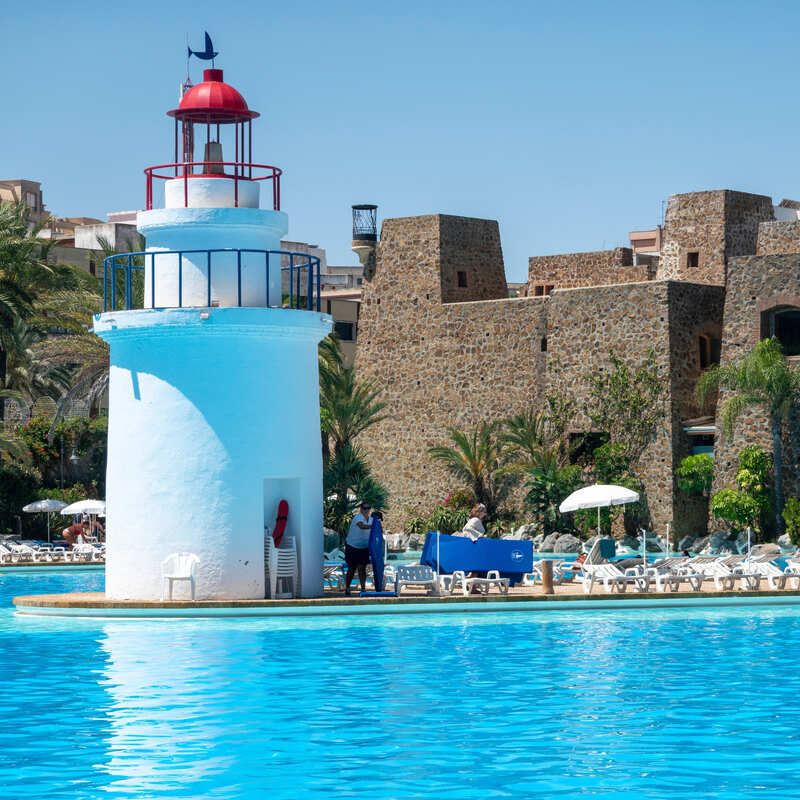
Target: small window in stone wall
543 344
784 325
549 289
92 268
538 291
344 330
462 279
693 259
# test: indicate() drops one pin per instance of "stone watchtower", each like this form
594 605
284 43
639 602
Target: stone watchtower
702 230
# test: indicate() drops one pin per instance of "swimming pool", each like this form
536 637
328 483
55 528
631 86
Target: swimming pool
682 703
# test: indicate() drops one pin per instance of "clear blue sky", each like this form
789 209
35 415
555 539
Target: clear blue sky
568 122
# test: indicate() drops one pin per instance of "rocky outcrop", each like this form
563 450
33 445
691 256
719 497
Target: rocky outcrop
567 543
548 544
527 531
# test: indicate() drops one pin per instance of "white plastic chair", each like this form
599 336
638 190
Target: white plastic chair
280 564
178 567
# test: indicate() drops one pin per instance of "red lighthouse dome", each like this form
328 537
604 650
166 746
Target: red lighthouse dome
213 101
214 113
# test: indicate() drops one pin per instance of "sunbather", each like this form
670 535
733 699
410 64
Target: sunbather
474 527
72 533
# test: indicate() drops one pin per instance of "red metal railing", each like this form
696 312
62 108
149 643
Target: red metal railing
242 171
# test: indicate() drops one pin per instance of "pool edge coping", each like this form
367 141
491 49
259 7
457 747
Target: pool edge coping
37 605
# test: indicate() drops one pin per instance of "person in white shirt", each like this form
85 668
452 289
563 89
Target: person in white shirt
473 529
356 548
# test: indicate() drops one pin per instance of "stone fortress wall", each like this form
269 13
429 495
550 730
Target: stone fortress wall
439 333
778 238
572 270
756 285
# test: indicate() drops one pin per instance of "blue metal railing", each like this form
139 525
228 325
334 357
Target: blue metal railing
300 264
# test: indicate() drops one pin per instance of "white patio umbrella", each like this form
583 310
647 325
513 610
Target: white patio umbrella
44 507
599 496
91 507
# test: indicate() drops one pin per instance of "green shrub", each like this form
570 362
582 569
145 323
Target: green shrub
791 516
696 473
448 520
749 506
611 463
416 526
547 487
19 486
738 509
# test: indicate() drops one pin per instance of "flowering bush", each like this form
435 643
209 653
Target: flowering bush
459 498
84 439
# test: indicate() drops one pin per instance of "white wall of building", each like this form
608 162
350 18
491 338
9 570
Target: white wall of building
214 418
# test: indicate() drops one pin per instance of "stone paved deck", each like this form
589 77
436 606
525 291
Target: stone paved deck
529 599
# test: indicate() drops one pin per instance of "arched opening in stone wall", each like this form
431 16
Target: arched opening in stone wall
709 349
783 322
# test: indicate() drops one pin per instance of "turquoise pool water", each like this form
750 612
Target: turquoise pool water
685 703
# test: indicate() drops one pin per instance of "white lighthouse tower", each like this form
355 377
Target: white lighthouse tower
214 390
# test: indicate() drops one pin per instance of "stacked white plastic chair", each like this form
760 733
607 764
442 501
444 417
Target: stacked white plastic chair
280 565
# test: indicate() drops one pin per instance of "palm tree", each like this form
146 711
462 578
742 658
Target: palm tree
349 406
37 300
11 446
84 358
477 458
525 434
346 481
20 265
762 377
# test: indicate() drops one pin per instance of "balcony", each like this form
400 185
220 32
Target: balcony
224 277
243 177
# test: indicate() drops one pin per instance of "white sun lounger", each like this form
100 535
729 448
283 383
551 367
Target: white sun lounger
670 573
724 571
25 553
596 569
763 565
7 555
483 585
417 576
562 572
85 552
613 578
792 572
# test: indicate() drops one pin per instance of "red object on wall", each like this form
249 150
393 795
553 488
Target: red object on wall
280 522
